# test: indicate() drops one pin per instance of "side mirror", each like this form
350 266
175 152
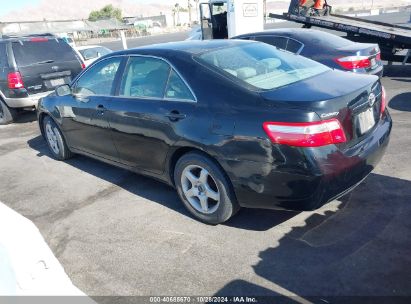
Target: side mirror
63 90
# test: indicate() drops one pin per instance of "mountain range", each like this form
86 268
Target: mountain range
80 9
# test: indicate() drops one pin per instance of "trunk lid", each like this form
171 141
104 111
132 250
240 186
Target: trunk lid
45 63
335 94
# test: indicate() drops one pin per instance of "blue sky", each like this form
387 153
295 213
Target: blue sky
10 5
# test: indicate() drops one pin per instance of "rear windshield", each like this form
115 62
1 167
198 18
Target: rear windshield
263 66
94 52
41 51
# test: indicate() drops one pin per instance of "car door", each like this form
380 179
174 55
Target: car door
153 108
85 123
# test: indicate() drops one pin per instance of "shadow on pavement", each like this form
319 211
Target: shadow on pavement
397 71
26 116
360 250
259 219
156 191
148 188
401 102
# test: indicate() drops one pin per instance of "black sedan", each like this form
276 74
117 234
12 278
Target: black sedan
229 123
333 51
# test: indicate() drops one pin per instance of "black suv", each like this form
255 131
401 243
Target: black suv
31 67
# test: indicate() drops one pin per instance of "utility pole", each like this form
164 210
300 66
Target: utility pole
189 12
196 4
265 11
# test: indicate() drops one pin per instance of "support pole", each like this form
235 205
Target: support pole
123 39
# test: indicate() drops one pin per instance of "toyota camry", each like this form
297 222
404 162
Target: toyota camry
228 123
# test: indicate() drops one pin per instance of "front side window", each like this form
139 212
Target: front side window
262 65
99 79
148 77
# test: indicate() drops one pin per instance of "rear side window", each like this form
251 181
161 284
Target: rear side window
3 58
293 46
147 77
41 50
177 89
279 42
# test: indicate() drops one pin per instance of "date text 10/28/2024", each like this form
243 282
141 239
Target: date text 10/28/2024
203 300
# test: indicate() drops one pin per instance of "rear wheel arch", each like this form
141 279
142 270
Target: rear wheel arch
180 152
8 114
175 156
41 118
223 202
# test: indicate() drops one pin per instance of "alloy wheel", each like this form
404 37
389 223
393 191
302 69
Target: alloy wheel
200 189
52 138
1 111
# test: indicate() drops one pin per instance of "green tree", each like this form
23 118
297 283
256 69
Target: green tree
107 12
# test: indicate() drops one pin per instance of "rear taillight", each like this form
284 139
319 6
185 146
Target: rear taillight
15 80
383 100
378 57
83 66
354 62
306 134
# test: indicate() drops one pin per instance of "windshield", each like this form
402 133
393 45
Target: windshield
263 66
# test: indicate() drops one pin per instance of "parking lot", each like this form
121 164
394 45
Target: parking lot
121 234
118 233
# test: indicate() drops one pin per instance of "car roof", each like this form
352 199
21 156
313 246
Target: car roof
298 33
11 38
188 46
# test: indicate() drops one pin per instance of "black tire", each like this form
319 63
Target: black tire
57 145
7 115
227 204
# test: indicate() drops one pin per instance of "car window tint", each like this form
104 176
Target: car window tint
279 42
40 50
95 52
145 77
3 58
99 79
262 65
293 46
177 89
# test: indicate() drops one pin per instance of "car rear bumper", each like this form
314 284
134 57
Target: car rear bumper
317 177
25 102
